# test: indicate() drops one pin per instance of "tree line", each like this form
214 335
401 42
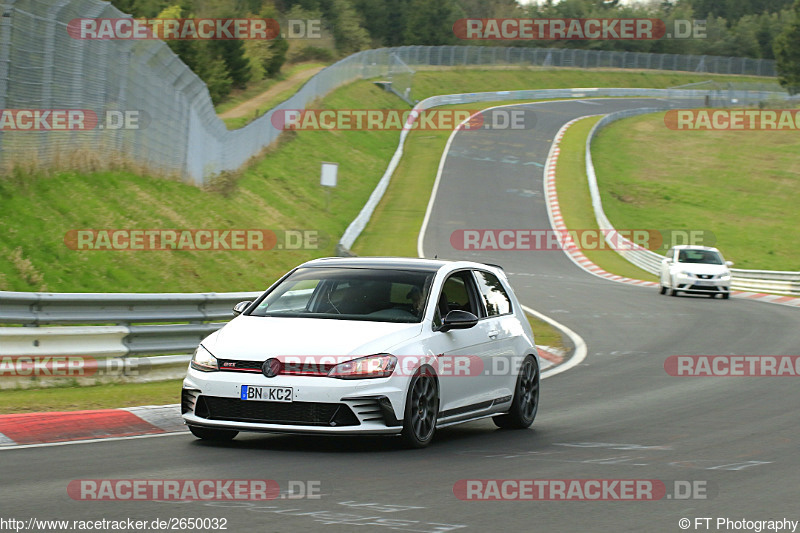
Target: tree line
768 29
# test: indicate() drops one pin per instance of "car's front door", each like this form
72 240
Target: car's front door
463 383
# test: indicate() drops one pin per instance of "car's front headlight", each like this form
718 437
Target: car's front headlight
203 360
685 273
724 277
372 366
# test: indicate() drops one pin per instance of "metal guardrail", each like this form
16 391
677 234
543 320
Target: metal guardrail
778 282
127 345
42 325
35 309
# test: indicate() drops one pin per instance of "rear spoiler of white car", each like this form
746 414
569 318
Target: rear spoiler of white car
498 267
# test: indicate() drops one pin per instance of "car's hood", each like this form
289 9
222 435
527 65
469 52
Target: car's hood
701 268
257 338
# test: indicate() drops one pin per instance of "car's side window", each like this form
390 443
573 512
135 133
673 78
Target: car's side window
458 293
494 295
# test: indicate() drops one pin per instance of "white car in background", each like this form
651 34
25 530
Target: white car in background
695 269
387 346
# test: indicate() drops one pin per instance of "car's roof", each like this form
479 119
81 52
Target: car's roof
410 263
695 247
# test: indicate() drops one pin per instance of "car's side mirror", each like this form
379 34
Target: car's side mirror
457 319
240 307
729 263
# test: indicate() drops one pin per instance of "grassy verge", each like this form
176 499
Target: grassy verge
280 191
545 334
576 202
240 122
397 219
716 181
457 80
92 397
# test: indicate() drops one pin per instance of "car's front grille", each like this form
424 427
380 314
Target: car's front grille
705 276
231 365
711 288
293 413
292 368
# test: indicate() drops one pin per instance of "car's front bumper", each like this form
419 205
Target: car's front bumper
320 404
697 285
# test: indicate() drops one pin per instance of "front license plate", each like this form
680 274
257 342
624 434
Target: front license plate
703 283
266 394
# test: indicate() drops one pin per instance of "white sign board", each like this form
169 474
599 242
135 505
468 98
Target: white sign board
328 177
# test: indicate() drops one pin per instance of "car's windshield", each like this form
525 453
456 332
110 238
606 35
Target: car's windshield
377 295
700 256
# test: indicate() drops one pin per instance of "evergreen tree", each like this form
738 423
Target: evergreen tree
278 47
348 32
787 53
237 65
431 23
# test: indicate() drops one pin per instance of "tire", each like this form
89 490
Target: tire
526 398
726 295
662 289
217 435
422 409
673 292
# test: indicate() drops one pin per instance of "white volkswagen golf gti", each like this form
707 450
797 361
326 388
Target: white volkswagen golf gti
357 345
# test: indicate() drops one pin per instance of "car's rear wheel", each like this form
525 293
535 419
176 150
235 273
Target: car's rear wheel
662 289
422 409
219 435
526 398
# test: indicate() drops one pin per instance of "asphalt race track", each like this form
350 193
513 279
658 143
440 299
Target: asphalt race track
616 416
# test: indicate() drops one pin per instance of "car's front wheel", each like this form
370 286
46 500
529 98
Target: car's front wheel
422 409
526 398
219 435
